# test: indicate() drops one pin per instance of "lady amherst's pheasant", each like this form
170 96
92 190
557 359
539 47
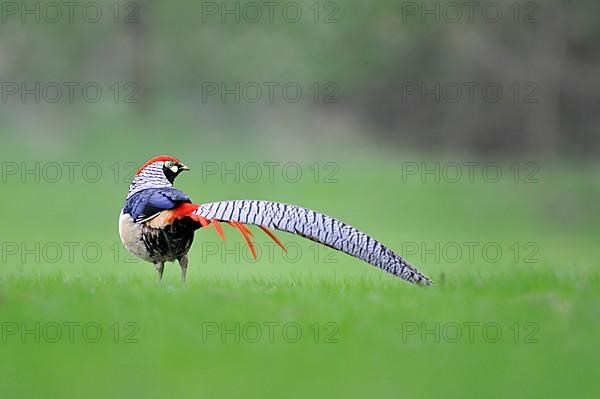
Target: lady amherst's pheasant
158 222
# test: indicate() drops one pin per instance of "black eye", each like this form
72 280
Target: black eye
168 164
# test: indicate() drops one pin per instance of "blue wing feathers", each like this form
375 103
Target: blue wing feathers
149 202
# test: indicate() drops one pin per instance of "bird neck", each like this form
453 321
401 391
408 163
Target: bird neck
150 177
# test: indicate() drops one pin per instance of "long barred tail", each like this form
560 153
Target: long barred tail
314 226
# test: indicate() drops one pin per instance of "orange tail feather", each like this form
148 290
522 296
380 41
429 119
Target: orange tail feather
218 228
244 231
274 238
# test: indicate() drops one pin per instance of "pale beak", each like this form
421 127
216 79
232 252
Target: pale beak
183 167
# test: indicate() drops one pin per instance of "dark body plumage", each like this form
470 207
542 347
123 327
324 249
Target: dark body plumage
171 242
163 243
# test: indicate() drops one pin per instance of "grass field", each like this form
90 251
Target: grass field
521 323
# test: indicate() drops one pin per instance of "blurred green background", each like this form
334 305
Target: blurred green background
376 136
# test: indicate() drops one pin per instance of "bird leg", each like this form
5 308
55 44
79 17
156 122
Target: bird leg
160 267
183 262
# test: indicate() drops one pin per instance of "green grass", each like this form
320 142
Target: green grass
371 351
551 299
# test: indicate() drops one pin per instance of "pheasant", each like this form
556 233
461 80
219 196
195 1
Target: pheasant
158 222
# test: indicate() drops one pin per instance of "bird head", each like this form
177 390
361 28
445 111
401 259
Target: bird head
158 172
